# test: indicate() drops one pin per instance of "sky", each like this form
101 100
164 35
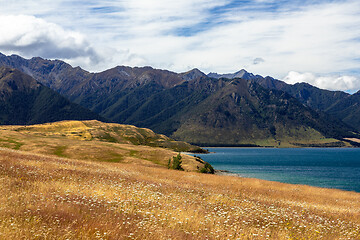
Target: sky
314 41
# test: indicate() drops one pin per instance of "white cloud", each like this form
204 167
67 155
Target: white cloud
349 83
258 61
31 36
322 38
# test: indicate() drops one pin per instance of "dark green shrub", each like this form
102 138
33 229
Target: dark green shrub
175 163
207 169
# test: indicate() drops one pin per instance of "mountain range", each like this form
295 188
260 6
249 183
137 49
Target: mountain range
25 101
338 104
214 109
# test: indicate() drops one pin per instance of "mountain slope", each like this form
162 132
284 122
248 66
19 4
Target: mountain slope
209 111
25 101
162 110
101 92
316 98
348 110
107 92
243 112
171 103
338 104
55 74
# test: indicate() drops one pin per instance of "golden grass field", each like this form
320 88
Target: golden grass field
44 196
97 141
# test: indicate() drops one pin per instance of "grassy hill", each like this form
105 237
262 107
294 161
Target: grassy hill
97 141
47 197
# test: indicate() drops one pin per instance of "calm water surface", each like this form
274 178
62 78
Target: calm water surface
322 167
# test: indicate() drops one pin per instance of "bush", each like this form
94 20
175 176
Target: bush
175 163
207 169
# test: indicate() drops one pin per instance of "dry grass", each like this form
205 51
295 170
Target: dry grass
45 197
88 140
105 132
353 140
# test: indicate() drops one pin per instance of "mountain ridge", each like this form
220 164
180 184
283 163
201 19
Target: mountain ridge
25 101
165 102
330 102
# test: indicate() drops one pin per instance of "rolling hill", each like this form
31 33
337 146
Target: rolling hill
93 140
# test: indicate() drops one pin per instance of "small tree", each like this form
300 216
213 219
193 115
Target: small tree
175 163
207 169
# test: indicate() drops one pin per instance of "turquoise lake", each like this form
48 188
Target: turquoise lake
322 167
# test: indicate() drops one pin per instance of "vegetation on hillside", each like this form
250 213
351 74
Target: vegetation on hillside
175 163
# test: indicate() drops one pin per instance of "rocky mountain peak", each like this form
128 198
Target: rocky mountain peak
192 74
239 74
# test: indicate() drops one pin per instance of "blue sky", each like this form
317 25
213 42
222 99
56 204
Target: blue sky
311 41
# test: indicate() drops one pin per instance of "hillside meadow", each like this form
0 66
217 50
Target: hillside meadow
98 141
49 197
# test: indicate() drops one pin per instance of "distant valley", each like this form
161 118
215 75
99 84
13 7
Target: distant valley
240 109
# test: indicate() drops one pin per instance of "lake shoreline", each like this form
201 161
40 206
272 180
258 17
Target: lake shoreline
220 172
333 168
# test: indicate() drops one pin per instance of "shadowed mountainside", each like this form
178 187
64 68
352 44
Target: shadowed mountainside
25 101
348 110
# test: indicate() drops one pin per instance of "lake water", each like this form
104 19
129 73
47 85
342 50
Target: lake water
322 167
